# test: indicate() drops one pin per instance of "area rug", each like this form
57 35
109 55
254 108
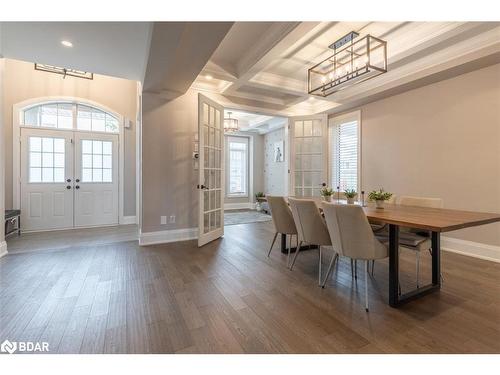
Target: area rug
244 217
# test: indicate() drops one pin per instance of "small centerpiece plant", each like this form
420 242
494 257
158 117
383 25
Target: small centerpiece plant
259 199
379 196
327 193
350 194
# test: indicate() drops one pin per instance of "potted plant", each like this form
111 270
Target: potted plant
259 199
379 196
327 193
350 194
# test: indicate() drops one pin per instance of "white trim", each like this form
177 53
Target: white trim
3 248
472 249
239 206
129 220
138 153
16 139
166 236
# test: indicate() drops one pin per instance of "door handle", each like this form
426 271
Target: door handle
77 187
68 187
203 187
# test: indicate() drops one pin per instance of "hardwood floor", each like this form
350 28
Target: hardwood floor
228 297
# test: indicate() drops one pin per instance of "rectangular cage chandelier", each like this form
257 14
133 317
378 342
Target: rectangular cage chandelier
352 62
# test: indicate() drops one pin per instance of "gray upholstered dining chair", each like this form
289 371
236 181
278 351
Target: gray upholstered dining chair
352 236
311 228
282 220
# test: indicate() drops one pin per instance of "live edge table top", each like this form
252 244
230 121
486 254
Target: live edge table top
433 219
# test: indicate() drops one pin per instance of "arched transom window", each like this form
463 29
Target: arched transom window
64 115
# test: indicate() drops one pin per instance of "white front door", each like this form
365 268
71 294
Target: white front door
68 179
211 170
46 179
96 179
309 155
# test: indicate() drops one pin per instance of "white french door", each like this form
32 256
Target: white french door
211 170
96 179
309 155
68 179
46 179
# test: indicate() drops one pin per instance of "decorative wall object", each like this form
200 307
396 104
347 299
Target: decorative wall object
279 152
274 173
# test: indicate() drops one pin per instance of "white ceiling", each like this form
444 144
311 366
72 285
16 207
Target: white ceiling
117 49
254 66
255 122
269 70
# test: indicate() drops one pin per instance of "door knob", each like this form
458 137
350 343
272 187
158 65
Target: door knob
77 180
68 187
77 187
68 180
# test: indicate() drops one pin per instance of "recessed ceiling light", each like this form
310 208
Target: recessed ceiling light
66 43
209 77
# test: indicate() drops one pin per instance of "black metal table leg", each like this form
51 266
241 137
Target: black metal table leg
436 259
283 243
393 265
284 250
395 299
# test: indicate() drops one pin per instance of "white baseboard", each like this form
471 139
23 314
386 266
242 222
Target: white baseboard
3 248
165 236
470 248
239 206
129 220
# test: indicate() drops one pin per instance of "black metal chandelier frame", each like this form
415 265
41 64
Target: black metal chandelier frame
343 67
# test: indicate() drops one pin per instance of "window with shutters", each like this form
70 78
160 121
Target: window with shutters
345 152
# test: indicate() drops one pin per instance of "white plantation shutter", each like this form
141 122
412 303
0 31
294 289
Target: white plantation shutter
344 157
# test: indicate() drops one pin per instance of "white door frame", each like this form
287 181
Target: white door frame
16 149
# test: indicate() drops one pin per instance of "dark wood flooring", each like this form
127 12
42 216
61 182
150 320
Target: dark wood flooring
228 297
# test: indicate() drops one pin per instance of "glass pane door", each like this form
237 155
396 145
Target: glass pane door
211 170
309 151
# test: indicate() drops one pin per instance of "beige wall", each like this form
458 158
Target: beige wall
22 82
441 140
168 175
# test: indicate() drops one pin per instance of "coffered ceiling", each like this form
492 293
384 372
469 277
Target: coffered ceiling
263 65
255 122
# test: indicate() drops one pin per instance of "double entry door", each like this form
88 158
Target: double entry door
68 179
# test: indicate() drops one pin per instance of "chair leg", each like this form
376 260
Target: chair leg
373 266
418 267
355 269
352 268
366 285
296 254
272 244
330 266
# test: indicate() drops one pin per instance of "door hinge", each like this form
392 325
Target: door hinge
71 140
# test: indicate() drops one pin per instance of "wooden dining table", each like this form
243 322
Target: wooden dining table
433 220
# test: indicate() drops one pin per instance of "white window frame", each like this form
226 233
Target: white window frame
18 123
247 141
334 122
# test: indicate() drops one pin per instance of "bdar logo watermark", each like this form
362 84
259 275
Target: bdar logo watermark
23 346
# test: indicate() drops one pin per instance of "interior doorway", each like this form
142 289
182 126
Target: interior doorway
256 164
